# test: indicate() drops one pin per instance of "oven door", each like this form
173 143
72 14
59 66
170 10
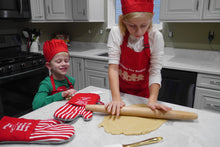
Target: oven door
178 87
18 91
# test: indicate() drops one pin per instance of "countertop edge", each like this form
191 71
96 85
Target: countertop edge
173 59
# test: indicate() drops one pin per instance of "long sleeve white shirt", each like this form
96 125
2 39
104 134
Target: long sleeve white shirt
156 49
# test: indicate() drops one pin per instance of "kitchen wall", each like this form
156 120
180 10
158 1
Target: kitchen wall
192 35
87 32
185 35
80 31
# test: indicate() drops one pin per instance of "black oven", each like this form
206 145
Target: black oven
178 87
15 9
20 75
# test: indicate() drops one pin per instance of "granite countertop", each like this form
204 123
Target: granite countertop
200 61
89 54
202 132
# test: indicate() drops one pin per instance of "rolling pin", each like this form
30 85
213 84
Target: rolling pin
147 112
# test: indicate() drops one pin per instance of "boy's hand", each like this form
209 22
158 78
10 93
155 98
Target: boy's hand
68 93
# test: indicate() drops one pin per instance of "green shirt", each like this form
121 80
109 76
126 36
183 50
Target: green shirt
44 97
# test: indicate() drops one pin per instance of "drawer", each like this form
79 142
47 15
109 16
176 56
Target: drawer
207 99
96 65
208 81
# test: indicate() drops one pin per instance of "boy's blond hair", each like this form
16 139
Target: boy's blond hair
128 16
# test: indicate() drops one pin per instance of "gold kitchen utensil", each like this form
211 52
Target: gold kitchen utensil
144 142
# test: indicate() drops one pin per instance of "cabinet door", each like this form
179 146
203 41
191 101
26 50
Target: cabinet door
58 9
37 9
181 10
80 10
207 99
96 78
88 10
78 72
212 9
70 71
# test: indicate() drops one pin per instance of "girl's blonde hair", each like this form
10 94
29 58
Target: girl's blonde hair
128 16
62 53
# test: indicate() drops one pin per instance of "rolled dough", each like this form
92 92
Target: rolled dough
130 125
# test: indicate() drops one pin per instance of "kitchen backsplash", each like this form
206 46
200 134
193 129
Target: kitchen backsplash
192 35
185 35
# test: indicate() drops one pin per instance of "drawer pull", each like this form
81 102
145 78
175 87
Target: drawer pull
214 107
214 83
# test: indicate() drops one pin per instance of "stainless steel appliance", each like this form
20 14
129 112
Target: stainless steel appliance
178 87
20 75
15 9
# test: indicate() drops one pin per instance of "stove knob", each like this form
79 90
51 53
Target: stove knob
2 70
34 62
22 65
10 68
41 62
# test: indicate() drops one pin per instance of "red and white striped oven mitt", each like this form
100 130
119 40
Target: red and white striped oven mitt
76 107
20 130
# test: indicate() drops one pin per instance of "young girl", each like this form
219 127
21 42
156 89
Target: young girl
135 56
58 85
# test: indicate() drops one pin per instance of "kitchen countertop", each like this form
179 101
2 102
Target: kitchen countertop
203 132
201 61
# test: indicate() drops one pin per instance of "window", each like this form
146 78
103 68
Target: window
114 10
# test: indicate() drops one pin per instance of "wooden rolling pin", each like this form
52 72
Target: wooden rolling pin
147 112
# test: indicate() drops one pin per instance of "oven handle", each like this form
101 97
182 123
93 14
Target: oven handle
20 7
20 75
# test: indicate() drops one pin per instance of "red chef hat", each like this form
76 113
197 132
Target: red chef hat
129 6
51 48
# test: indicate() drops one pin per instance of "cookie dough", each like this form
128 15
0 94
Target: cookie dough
130 125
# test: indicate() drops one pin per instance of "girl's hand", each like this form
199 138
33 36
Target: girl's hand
68 93
114 107
155 105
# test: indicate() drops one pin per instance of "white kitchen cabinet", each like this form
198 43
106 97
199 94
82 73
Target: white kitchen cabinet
70 71
190 10
88 10
37 9
58 9
96 73
212 9
207 94
78 72
51 10
96 78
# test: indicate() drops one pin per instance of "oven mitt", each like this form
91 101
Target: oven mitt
20 130
76 107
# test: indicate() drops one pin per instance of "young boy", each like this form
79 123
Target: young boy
58 85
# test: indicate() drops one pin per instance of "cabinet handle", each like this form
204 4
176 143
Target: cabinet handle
213 106
48 9
209 4
197 5
215 83
80 69
105 82
21 7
